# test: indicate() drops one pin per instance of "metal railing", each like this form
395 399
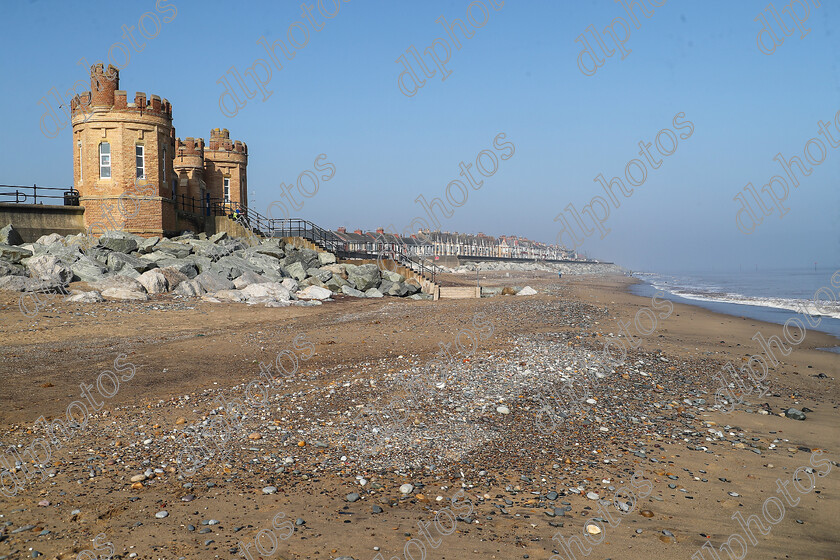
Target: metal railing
298 227
30 195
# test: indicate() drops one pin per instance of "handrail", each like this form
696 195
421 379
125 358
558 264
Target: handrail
69 196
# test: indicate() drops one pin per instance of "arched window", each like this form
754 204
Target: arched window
104 160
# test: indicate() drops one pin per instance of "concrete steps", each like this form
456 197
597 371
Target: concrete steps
459 292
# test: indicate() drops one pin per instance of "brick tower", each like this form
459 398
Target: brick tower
225 167
117 146
189 168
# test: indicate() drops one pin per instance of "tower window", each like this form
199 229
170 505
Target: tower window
164 165
81 164
227 189
104 160
140 161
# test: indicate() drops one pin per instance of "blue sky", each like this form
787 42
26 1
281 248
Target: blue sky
517 75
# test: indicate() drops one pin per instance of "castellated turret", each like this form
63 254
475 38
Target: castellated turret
189 168
123 147
225 167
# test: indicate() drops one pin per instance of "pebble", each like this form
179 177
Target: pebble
502 410
406 488
352 497
162 514
269 490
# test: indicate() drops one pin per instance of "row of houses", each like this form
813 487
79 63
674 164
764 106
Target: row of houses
439 243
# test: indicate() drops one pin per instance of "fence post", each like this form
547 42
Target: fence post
35 193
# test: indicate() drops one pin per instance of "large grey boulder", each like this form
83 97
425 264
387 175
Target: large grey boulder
313 281
234 296
173 276
64 253
314 292
124 294
84 297
154 282
186 267
392 276
353 292
209 249
13 254
307 257
215 238
249 278
271 250
10 236
290 284
296 271
120 261
118 281
189 288
50 238
147 245
336 269
87 269
373 292
326 258
322 275
270 290
16 283
119 242
335 283
11 269
173 248
99 254
213 283
48 267
364 277
396 289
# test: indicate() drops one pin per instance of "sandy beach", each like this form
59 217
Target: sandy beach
692 468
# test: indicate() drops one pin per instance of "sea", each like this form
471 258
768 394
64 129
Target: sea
773 295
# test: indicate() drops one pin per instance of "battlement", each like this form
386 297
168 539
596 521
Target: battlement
220 141
189 147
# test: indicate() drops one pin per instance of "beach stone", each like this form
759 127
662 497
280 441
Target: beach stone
162 514
374 293
336 282
795 414
138 478
216 237
336 269
269 490
406 489
502 410
154 282
352 497
527 291
10 236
